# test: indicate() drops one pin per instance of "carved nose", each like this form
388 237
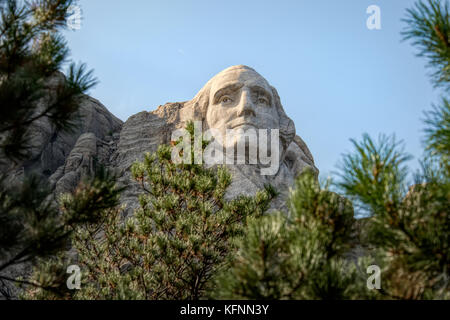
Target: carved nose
246 107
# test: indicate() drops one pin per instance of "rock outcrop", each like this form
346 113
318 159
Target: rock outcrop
50 149
102 138
145 131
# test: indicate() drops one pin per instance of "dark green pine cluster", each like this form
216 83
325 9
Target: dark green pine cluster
408 226
429 29
297 255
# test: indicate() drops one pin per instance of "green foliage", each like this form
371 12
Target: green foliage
410 226
438 133
34 229
428 26
32 52
299 255
180 237
411 231
375 174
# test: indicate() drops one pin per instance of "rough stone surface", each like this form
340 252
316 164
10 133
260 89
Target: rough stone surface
51 148
144 131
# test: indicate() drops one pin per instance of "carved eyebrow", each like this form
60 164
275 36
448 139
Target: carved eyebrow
229 88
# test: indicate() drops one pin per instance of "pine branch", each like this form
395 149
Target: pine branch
428 27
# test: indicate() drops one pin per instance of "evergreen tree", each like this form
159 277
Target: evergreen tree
53 231
429 28
438 134
32 53
410 226
299 255
180 237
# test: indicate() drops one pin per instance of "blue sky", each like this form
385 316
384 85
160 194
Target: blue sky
336 78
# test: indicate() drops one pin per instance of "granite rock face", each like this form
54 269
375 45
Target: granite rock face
103 139
237 97
145 131
51 148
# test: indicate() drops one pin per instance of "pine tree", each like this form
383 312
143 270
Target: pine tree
429 28
180 237
438 134
85 206
32 53
410 225
299 255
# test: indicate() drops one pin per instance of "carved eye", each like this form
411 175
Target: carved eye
263 101
225 99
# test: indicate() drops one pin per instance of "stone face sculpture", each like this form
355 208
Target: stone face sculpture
240 97
237 97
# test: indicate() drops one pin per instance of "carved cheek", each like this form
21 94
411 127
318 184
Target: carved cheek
212 116
217 117
269 117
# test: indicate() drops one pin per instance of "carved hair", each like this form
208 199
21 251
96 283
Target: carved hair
200 104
